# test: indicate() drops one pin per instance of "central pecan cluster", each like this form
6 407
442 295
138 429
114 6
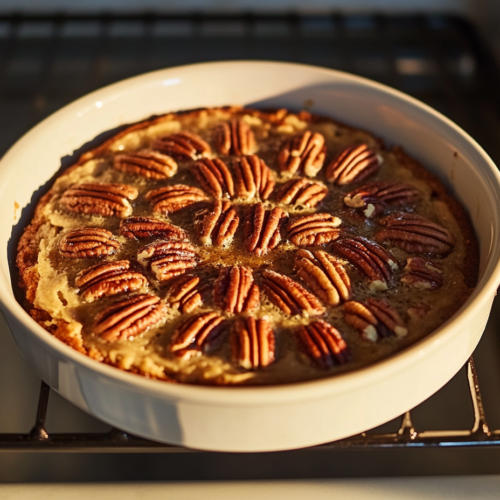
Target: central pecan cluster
240 192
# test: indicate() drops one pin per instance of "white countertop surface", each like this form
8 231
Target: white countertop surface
429 488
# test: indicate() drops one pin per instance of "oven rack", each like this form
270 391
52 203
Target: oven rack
47 61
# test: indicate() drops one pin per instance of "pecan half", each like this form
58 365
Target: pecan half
323 344
146 227
129 317
291 297
235 290
301 192
370 257
183 146
199 333
374 197
168 259
253 343
262 228
353 164
314 229
325 275
214 177
172 198
305 153
374 319
87 242
415 234
96 198
234 138
423 274
146 163
186 294
217 225
253 178
111 278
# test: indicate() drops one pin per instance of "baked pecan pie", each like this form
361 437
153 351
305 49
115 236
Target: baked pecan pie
232 246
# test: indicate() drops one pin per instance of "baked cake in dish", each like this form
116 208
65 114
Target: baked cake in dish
232 246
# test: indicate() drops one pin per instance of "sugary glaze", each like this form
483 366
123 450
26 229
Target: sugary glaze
58 305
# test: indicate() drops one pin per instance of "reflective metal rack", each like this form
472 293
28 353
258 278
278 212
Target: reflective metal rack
48 61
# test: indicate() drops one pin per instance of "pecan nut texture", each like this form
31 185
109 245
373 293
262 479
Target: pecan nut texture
253 343
183 146
325 276
235 290
415 234
303 153
110 278
370 258
301 192
354 164
314 229
95 198
186 294
168 259
139 228
130 317
262 228
374 319
198 334
217 225
172 198
423 274
146 163
234 138
87 242
374 197
214 177
289 296
323 344
253 178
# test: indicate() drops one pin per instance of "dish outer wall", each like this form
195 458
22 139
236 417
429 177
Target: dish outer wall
266 418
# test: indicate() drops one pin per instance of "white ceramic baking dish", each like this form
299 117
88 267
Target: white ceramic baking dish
267 418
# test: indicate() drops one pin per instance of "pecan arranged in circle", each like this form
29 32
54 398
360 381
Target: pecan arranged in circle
371 258
139 228
253 343
314 229
110 278
373 198
423 274
253 178
183 146
129 317
214 177
235 290
415 234
96 198
168 259
234 138
199 333
146 163
291 297
186 294
262 228
353 164
172 198
323 344
325 275
301 192
217 225
305 153
374 319
87 242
